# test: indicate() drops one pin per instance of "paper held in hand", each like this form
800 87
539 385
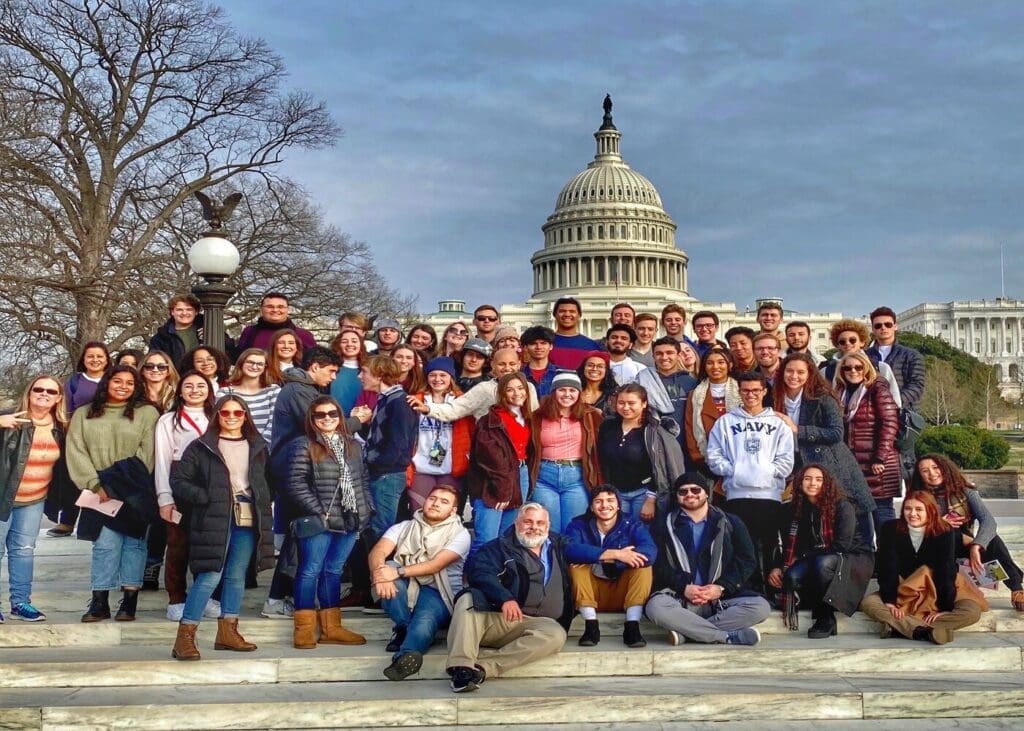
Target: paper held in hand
993 573
89 499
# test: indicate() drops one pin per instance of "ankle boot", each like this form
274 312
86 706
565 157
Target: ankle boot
333 633
129 603
304 633
591 633
185 643
99 607
228 637
631 635
824 624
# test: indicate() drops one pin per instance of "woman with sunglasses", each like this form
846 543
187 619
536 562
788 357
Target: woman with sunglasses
328 491
423 338
851 336
186 421
598 383
159 379
32 473
716 394
454 337
209 361
872 422
221 478
250 382
118 425
284 352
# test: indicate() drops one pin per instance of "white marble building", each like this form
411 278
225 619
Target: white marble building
610 240
990 330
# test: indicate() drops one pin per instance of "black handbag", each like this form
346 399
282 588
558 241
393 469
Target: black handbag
308 526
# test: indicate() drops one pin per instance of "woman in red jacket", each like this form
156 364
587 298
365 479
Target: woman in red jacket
872 421
498 478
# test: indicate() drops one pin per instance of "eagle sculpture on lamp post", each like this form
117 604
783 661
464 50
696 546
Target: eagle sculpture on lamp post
215 213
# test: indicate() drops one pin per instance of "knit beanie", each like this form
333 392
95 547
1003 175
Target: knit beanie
691 478
566 379
442 363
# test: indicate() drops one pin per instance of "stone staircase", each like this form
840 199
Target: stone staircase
63 674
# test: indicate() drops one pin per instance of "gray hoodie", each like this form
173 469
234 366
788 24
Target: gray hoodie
753 453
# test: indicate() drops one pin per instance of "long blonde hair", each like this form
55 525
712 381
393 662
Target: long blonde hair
59 411
170 384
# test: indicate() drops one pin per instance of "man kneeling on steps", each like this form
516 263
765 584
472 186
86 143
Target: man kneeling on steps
418 585
517 605
611 556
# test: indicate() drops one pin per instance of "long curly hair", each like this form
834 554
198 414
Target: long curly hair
831 495
814 389
954 483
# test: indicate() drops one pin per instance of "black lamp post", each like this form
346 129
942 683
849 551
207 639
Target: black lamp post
214 258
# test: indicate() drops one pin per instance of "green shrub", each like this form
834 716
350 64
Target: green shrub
969 447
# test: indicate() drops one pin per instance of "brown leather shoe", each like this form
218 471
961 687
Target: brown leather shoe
1017 599
333 633
185 643
304 633
228 637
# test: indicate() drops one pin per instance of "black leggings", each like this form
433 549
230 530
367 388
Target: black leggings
810 577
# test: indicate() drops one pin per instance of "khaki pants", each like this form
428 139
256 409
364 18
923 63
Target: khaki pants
631 589
964 613
487 640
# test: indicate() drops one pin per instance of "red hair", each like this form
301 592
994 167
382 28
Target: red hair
935 525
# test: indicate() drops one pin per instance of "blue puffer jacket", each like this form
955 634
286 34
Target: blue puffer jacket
585 544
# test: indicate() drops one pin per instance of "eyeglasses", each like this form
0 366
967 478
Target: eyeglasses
156 367
255 364
47 391
751 392
232 413
883 325
705 326
692 490
853 368
847 341
321 415
595 367
486 318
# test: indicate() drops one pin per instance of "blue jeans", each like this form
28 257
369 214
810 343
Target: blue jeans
241 543
632 502
422 622
18 539
117 561
560 489
884 512
387 491
321 560
489 523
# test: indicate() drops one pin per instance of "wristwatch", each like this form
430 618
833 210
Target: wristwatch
401 572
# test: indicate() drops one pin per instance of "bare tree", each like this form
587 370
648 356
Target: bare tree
112 113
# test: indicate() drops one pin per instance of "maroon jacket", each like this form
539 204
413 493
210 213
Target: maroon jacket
493 465
871 436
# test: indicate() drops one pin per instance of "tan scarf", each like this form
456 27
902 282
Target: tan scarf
420 542
698 396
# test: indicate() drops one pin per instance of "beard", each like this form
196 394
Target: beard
531 541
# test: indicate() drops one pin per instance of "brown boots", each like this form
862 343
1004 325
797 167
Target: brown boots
228 637
331 631
185 643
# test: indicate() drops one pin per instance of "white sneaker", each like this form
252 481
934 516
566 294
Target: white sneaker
174 611
278 608
675 639
212 609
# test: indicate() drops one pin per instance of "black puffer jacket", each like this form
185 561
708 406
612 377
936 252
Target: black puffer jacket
200 480
312 485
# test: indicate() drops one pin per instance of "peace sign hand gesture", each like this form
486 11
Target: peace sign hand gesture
13 421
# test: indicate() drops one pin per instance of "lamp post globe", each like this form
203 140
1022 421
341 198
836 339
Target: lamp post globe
213 258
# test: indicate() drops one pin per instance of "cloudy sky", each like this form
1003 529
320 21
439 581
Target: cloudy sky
840 155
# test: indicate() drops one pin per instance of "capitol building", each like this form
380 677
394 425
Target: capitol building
610 240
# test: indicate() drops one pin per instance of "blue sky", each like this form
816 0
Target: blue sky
840 155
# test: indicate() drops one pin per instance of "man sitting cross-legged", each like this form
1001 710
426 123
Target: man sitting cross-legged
517 605
418 585
705 557
611 556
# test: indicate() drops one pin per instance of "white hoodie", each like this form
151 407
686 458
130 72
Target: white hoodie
753 453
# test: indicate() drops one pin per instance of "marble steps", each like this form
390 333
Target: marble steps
64 629
776 656
699 697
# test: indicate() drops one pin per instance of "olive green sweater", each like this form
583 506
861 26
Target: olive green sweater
95 444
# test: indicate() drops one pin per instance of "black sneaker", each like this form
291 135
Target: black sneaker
406 664
397 638
465 680
631 635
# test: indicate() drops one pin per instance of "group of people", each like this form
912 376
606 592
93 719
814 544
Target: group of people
697 482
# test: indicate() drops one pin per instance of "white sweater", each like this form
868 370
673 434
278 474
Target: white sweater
169 444
755 454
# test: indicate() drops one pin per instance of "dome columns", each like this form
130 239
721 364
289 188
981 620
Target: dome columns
608 270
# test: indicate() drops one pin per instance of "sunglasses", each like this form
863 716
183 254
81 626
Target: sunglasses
232 413
47 391
853 368
692 490
883 325
484 318
462 333
156 367
321 415
849 341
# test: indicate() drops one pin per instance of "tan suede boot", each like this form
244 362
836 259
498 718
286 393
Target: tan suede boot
331 631
304 634
185 643
228 637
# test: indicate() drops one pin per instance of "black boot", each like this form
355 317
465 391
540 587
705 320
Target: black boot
126 609
631 636
824 623
591 633
99 607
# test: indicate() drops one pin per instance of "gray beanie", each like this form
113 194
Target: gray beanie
566 379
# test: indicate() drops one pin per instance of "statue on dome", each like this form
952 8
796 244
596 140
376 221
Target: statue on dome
607 122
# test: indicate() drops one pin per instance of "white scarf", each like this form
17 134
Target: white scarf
419 542
852 403
697 398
